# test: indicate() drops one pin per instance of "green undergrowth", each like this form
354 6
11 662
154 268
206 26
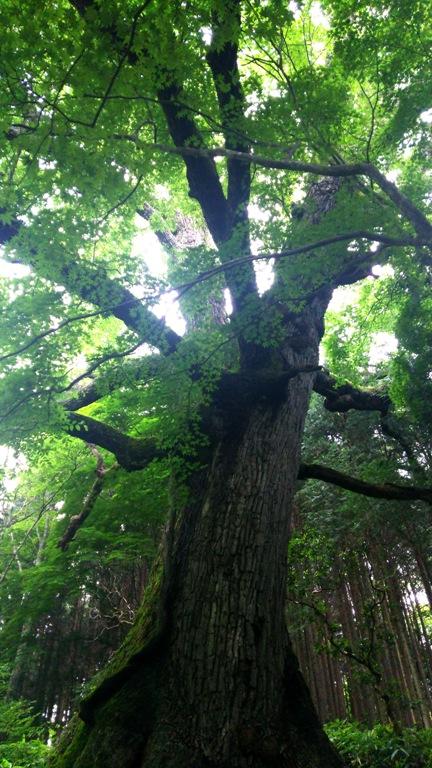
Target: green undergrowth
23 745
360 747
22 740
381 747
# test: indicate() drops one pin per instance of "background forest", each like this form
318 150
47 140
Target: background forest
103 233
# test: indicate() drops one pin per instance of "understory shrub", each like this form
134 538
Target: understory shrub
22 740
381 747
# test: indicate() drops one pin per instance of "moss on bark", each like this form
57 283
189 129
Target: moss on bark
117 713
207 677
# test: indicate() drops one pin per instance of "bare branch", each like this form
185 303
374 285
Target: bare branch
90 499
122 61
385 240
123 201
346 397
388 491
419 221
131 453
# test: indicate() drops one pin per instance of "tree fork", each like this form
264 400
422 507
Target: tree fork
207 675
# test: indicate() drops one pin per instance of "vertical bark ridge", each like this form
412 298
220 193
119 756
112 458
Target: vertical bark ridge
222 687
229 648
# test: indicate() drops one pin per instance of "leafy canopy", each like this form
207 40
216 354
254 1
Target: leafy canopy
100 104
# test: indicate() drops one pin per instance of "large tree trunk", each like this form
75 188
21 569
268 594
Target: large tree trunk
219 684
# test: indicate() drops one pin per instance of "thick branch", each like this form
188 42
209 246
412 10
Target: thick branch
166 237
392 428
377 491
130 452
228 215
206 188
90 499
139 370
222 58
419 221
83 396
203 179
8 231
346 275
202 175
94 285
346 397
357 269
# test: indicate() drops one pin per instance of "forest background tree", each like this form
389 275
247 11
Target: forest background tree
196 111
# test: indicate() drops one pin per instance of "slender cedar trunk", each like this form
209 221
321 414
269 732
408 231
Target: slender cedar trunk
423 702
18 674
219 685
424 570
20 668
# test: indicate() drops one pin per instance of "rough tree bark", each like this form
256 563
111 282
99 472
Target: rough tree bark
218 684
